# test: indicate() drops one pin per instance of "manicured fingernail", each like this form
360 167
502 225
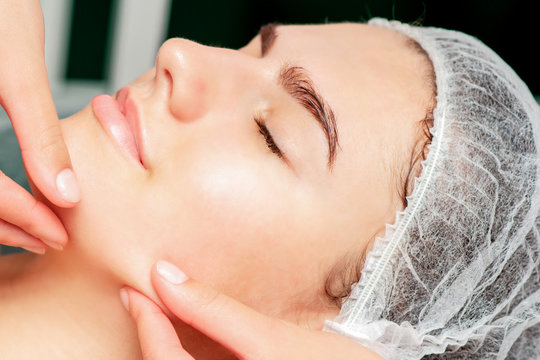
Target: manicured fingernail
170 272
125 298
66 183
53 244
38 249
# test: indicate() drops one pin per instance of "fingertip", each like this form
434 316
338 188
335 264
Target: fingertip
134 301
36 249
124 298
46 225
68 187
54 244
170 273
62 236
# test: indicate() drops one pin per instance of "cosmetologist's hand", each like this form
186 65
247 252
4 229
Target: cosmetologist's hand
26 98
250 335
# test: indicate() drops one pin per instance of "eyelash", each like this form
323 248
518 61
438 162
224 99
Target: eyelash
263 130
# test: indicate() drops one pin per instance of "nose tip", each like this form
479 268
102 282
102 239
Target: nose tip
180 72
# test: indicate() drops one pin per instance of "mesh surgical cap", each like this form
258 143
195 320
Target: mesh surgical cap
457 275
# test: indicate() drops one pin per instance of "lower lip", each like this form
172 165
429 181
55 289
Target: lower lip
115 124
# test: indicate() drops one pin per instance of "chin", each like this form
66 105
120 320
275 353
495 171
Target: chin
106 233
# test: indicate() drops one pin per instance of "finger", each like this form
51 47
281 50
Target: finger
27 99
157 335
13 236
245 332
242 330
43 149
21 209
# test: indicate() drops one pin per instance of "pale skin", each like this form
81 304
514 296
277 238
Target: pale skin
27 100
216 201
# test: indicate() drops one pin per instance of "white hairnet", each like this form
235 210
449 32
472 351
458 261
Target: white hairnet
458 272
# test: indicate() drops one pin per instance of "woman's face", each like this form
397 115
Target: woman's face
241 186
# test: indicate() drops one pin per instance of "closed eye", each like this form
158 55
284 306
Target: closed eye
270 143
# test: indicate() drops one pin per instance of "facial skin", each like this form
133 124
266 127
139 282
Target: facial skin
215 200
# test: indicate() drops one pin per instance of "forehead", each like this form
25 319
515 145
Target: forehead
376 85
372 79
353 57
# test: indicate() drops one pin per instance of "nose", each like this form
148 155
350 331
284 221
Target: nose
183 74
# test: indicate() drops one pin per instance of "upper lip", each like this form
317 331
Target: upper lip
129 109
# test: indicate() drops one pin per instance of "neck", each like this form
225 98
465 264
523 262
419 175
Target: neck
50 306
60 304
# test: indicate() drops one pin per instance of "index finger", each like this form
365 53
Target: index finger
244 331
38 132
225 320
27 99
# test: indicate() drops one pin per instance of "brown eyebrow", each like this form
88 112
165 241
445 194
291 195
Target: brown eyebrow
296 81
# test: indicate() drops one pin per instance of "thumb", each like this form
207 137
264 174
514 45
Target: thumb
27 99
38 132
244 331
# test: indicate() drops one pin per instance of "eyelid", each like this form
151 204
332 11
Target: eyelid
283 156
267 135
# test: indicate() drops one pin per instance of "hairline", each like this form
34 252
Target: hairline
347 270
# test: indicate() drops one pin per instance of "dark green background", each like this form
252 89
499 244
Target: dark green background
509 27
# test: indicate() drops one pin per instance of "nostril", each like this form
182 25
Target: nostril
181 77
169 82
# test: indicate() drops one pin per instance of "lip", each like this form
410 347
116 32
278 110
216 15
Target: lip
129 108
119 117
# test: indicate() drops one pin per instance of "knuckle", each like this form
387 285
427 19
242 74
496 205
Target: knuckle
205 300
49 140
208 302
212 301
52 138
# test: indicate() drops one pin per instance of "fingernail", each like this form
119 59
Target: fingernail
53 244
124 297
66 183
170 272
38 249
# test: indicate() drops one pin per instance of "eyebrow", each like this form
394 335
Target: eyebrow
296 81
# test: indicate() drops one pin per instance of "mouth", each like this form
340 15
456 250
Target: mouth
119 117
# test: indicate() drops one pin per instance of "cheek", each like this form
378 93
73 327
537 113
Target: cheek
213 196
220 215
229 216
227 192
